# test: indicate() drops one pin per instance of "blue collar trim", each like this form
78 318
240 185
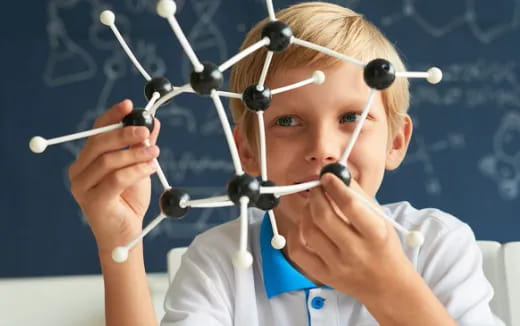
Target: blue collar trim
279 275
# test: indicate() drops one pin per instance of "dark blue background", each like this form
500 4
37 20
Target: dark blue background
61 68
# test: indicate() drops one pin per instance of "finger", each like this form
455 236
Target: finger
115 114
325 218
306 261
155 132
116 182
152 139
367 222
108 142
110 162
320 244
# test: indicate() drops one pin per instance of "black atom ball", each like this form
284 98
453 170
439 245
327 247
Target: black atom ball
379 74
338 170
280 35
170 200
243 185
207 80
139 117
267 201
160 85
256 100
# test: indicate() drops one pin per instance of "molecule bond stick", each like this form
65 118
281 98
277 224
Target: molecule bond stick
205 80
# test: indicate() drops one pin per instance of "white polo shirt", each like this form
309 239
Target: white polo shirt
208 290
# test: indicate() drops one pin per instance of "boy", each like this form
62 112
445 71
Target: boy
343 264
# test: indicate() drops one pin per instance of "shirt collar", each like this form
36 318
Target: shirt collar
279 275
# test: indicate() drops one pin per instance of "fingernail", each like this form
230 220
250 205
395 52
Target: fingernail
140 132
150 150
122 103
325 178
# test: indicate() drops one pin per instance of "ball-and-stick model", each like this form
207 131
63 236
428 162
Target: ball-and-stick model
206 79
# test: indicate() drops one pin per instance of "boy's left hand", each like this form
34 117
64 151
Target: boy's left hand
346 245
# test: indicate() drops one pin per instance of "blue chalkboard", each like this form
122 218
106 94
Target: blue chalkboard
62 68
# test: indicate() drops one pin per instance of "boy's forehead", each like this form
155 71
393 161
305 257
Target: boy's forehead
342 72
344 88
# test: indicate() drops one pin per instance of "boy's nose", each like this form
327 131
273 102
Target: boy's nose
323 149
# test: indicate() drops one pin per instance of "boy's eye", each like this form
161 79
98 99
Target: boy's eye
349 117
286 121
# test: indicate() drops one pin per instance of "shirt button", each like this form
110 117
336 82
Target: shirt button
317 302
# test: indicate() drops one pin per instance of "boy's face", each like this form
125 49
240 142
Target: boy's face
310 127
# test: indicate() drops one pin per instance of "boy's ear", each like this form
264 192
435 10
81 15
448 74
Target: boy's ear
248 157
399 144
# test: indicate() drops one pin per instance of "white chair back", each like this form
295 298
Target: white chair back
493 265
501 264
512 278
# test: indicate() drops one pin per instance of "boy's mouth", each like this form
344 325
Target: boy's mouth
310 178
306 193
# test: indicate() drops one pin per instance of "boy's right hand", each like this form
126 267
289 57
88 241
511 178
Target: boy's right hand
110 179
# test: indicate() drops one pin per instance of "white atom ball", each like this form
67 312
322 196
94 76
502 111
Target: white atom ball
38 144
434 75
415 239
107 17
243 259
120 254
166 8
319 77
278 242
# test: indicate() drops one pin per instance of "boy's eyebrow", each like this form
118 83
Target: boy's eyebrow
344 104
353 103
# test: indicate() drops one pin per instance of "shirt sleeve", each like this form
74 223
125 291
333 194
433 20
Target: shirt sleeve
452 266
200 292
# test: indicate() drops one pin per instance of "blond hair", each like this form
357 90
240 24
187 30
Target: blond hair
325 24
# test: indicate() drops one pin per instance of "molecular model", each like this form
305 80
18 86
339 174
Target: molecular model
206 78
